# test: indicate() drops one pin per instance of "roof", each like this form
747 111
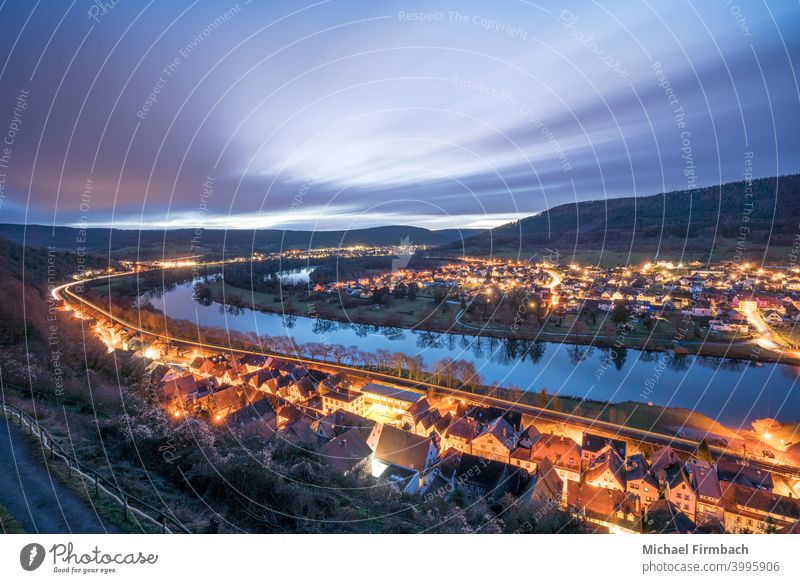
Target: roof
300 432
396 446
548 483
419 409
738 497
558 449
600 503
181 386
343 395
704 479
257 360
346 450
594 443
676 474
663 517
750 476
610 461
463 428
662 458
489 475
392 393
399 476
341 421
636 467
502 431
260 411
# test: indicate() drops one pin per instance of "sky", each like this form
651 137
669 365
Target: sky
339 115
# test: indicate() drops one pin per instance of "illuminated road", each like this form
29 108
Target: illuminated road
600 427
766 338
556 279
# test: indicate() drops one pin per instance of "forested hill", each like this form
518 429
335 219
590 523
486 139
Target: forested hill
735 220
149 244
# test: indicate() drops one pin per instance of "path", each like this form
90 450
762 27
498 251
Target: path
37 500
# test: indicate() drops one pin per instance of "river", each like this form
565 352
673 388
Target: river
732 392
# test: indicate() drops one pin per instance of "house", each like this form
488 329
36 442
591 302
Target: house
222 401
546 487
680 491
253 362
351 401
287 413
522 457
772 317
563 452
661 459
749 476
758 511
705 482
395 401
178 387
607 470
404 480
609 508
477 478
404 449
427 422
299 391
640 481
263 379
347 452
496 441
413 414
663 517
460 433
259 417
299 432
703 309
485 415
341 421
212 362
593 444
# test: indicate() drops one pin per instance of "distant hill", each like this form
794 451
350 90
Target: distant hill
172 243
731 221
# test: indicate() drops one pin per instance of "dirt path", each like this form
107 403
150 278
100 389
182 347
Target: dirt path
37 500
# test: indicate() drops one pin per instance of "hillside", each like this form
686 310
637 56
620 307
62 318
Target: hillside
721 222
171 243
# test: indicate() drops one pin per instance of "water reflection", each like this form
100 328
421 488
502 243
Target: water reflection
729 390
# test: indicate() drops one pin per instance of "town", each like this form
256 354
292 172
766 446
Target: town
427 443
738 310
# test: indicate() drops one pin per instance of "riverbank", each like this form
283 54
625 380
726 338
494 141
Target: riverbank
447 320
666 424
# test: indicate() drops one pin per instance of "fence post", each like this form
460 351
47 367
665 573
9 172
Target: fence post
163 523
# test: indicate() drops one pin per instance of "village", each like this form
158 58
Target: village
426 446
729 302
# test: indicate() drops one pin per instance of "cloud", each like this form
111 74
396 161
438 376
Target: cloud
347 113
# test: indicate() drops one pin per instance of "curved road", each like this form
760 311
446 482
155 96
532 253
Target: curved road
36 499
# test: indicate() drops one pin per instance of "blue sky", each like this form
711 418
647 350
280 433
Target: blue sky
350 114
